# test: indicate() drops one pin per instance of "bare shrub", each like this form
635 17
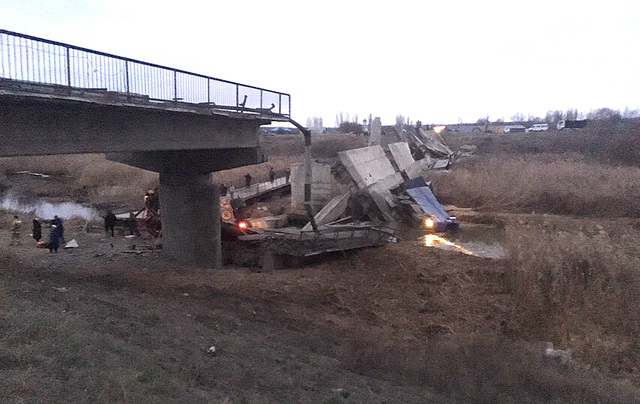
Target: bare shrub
544 183
350 127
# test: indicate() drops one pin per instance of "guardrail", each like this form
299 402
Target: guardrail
37 60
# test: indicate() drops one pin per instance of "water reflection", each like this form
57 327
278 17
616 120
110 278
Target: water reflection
478 240
432 240
46 210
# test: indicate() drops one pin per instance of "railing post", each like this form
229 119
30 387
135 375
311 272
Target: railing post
175 85
261 99
237 95
208 91
126 71
68 67
279 103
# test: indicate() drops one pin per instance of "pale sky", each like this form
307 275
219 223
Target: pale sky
438 62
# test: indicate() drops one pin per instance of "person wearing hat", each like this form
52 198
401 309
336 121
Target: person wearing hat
54 239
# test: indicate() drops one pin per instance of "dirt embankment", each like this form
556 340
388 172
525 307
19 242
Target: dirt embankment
397 324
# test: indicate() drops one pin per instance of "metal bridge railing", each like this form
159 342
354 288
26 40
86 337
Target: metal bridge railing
27 58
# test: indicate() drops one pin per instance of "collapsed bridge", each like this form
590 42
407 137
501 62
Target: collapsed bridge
57 98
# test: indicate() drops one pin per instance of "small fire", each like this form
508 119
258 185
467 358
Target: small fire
439 129
431 240
429 223
243 225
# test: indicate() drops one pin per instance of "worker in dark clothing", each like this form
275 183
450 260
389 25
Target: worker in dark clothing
54 238
59 227
287 174
36 230
110 222
132 225
223 189
247 180
272 174
155 200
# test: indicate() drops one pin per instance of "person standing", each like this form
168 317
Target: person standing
36 230
59 227
132 225
272 174
109 222
247 180
15 230
54 238
287 174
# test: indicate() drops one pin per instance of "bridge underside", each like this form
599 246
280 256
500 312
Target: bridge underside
184 143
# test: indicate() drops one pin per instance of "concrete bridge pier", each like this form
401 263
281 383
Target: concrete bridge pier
190 209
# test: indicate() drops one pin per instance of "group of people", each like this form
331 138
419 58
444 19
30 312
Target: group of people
272 176
56 232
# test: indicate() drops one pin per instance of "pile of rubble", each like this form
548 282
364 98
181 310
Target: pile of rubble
381 190
387 186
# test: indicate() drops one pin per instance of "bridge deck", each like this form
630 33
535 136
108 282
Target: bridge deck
261 189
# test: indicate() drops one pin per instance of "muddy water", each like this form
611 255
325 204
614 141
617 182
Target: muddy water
47 210
472 239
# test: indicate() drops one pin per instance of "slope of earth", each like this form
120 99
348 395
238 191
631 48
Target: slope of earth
394 324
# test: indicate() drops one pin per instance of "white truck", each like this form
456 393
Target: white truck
538 127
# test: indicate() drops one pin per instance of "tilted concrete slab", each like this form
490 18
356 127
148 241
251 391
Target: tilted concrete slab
416 169
368 165
331 211
401 155
371 170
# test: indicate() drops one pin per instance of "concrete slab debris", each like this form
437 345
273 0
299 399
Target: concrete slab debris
320 186
441 164
401 155
416 169
270 222
375 134
369 165
331 211
72 244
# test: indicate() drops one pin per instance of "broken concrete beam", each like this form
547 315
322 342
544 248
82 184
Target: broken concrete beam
441 164
320 186
368 165
401 155
416 169
270 222
433 143
331 211
375 134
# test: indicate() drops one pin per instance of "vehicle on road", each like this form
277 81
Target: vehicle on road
514 128
538 127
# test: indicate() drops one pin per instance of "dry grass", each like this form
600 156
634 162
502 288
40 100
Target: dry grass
601 143
105 181
481 369
322 146
555 184
578 283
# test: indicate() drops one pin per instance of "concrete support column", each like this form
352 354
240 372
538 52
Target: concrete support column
190 212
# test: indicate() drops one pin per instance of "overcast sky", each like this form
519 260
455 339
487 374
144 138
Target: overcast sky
439 62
